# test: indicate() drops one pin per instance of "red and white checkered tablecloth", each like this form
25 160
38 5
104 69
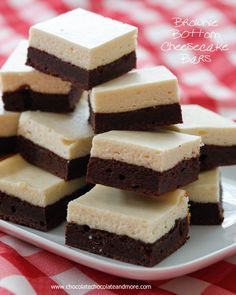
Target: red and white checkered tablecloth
25 269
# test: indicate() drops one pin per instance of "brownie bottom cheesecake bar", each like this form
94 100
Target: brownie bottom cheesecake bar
218 135
33 197
57 143
151 163
139 100
126 226
90 49
205 196
24 88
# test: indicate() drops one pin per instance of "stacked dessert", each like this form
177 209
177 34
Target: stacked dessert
52 135
135 203
49 171
135 213
53 141
79 81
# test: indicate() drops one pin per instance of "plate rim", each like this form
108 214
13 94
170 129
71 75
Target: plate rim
126 271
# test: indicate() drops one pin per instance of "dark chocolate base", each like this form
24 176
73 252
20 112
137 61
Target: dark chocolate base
142 119
206 213
21 212
124 248
51 162
140 179
25 99
213 156
82 78
8 145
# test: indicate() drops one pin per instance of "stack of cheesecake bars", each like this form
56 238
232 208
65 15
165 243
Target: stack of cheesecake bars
74 79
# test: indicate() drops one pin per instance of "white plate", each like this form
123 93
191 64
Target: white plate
207 244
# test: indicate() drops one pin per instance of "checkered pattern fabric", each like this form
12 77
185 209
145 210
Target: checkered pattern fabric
36 271
25 269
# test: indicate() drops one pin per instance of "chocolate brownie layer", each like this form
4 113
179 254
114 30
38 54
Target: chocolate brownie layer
206 213
51 162
7 145
141 119
124 248
213 156
25 99
21 212
140 179
85 79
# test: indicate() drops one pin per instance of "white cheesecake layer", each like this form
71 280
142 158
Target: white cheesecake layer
160 150
213 128
84 39
15 74
8 122
127 213
206 189
138 89
67 135
34 185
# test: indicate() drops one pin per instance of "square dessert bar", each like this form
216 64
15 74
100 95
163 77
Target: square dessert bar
82 47
27 89
57 143
139 100
145 162
205 196
126 226
8 130
218 135
33 197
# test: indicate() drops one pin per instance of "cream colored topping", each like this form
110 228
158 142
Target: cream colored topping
160 150
127 213
135 90
206 189
15 74
67 135
8 121
213 128
84 39
32 184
